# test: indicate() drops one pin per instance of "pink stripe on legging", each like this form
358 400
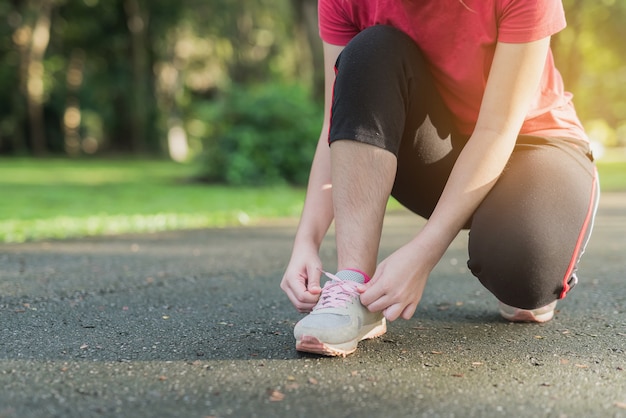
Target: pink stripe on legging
580 244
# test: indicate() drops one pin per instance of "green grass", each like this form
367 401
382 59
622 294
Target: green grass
60 198
612 176
43 199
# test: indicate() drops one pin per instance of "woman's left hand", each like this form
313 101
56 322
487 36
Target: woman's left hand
397 285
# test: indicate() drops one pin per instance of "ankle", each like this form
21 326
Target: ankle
366 277
354 275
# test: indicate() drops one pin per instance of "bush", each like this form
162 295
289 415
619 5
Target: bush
262 135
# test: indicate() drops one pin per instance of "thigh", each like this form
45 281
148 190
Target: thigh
527 236
425 161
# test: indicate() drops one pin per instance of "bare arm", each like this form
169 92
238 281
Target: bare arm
317 214
513 81
302 277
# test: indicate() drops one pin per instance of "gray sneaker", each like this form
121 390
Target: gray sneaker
339 320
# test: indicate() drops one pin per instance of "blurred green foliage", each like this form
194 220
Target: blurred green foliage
107 77
236 84
262 136
591 55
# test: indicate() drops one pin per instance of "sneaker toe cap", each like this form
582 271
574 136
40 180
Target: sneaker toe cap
331 328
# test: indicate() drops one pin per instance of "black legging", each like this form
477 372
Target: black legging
529 233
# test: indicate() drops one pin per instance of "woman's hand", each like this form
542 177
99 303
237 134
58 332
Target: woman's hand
301 281
397 285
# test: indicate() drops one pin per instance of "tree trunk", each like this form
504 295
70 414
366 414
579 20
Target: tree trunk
32 39
137 21
307 26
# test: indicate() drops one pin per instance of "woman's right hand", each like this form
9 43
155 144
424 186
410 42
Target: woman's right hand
301 281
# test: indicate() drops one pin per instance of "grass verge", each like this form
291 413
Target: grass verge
60 198
47 199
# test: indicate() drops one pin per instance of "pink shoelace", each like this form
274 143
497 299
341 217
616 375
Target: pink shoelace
336 293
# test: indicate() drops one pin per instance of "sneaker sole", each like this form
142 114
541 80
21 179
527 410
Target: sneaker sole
311 344
522 315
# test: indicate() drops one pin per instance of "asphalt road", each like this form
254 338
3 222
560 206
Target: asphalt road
193 324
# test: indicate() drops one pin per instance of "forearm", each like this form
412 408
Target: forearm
514 77
476 171
317 214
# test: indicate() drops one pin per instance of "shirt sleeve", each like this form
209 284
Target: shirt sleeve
335 26
522 21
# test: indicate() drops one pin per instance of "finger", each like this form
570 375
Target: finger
392 312
372 294
409 311
297 293
362 288
305 308
380 304
313 280
293 285
303 303
305 296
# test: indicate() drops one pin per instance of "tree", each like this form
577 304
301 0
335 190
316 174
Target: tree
96 76
591 55
31 38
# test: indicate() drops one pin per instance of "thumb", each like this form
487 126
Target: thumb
362 288
313 280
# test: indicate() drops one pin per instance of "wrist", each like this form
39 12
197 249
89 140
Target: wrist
308 241
431 245
311 232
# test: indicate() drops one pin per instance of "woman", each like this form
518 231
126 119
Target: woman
457 110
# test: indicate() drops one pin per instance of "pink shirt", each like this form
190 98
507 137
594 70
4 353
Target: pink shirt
458 39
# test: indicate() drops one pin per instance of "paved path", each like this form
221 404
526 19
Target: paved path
193 324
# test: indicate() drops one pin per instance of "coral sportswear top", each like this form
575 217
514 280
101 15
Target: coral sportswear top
458 39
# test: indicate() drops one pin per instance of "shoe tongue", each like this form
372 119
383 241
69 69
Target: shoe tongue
351 275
